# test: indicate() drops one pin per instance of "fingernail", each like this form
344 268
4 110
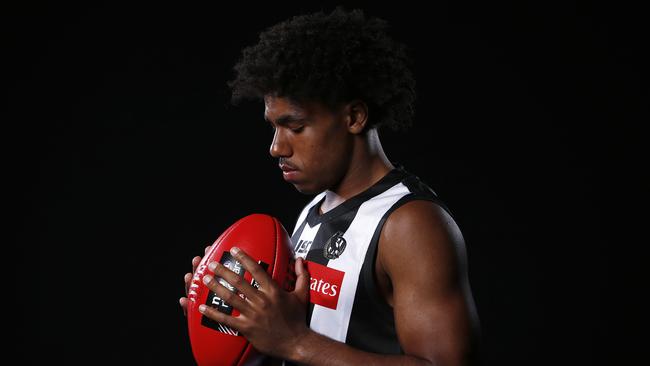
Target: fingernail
201 308
234 250
207 279
212 266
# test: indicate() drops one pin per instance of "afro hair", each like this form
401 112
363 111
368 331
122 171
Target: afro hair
332 59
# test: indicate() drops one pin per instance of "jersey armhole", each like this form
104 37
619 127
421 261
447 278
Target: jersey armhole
368 275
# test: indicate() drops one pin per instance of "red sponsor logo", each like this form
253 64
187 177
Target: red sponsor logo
324 284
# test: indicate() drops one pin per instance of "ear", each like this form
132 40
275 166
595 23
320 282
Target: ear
356 114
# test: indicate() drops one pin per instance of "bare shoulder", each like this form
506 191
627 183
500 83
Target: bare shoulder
422 232
421 215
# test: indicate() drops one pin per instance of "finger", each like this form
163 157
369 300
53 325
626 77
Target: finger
195 262
258 273
235 281
302 281
207 248
214 314
184 301
188 279
226 295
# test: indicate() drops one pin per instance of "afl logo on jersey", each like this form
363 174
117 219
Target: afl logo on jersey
334 246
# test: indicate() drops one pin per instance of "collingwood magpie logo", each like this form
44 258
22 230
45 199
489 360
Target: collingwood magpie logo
334 246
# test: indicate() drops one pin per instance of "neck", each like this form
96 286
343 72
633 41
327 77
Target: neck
368 165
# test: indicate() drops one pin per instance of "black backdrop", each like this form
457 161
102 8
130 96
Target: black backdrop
126 160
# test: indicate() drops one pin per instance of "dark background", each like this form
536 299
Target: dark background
125 159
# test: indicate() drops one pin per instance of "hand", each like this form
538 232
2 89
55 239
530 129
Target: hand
188 278
271 318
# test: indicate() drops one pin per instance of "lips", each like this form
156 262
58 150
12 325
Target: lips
287 167
289 172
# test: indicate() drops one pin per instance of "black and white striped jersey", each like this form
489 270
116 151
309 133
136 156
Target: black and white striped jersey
340 247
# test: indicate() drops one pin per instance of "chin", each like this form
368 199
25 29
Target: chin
307 189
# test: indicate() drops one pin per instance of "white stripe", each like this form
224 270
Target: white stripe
305 211
227 329
334 323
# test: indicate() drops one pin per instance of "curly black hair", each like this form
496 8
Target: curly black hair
333 59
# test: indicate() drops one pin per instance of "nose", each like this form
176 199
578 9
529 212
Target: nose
280 146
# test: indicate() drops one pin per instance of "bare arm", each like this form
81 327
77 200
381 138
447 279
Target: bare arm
424 256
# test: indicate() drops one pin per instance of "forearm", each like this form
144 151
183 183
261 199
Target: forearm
317 350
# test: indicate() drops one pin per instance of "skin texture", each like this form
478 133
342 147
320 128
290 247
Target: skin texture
435 318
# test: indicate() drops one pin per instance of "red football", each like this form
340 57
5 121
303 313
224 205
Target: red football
264 239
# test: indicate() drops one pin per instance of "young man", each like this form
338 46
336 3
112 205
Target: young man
387 267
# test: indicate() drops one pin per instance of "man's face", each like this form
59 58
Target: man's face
312 143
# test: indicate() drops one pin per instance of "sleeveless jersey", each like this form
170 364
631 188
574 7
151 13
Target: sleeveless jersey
340 247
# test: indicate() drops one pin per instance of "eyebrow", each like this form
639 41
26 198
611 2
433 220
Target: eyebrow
286 119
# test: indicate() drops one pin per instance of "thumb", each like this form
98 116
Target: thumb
302 281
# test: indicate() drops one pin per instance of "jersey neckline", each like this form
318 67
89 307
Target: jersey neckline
394 176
